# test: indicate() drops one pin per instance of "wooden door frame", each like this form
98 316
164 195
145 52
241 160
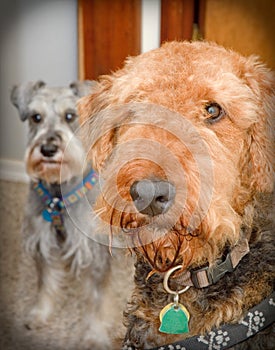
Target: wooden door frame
108 31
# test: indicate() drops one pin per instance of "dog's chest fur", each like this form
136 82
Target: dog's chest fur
223 302
42 238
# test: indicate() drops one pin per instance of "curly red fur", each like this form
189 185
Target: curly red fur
149 121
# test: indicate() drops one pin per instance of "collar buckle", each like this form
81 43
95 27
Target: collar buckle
220 269
205 276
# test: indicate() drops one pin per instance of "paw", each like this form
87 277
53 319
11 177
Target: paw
90 344
99 341
37 318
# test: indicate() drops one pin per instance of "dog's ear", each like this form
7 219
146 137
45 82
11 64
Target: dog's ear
100 121
97 130
100 150
262 82
22 94
96 135
83 88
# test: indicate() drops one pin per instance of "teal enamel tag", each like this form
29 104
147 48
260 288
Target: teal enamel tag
174 319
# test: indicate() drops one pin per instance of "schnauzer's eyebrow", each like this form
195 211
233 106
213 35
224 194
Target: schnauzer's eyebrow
64 107
37 105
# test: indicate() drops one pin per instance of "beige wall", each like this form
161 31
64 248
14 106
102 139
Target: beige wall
38 40
247 26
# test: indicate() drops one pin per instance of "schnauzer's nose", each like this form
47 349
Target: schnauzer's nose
152 197
48 149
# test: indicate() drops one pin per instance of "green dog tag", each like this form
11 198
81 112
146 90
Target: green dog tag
174 319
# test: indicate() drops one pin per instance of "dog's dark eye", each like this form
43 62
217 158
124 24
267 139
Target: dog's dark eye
215 112
70 117
36 118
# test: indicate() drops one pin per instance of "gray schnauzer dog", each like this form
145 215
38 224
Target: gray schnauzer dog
63 186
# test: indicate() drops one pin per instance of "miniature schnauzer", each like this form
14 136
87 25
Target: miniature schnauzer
62 190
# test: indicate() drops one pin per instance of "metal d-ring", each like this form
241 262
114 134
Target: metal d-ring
166 286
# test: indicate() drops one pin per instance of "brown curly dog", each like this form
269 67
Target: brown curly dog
182 138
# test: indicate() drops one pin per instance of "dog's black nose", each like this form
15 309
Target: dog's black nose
48 149
152 197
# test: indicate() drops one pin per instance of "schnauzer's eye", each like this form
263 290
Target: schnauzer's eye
70 117
36 118
215 112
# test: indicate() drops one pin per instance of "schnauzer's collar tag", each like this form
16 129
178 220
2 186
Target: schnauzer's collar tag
46 215
174 319
54 208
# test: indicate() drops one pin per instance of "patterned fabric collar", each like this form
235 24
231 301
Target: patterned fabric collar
225 337
54 206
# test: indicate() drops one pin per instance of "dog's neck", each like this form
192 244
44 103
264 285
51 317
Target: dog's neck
54 188
57 189
261 221
263 218
54 198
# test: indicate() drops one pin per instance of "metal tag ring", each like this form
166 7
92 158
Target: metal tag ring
166 278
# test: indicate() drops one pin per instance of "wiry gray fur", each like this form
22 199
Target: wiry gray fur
77 255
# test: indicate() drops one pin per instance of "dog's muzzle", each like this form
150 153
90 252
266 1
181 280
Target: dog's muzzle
152 197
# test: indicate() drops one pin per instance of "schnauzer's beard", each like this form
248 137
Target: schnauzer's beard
67 163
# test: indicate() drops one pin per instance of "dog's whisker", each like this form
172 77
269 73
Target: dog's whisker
99 212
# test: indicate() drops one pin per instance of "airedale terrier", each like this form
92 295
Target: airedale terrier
183 139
